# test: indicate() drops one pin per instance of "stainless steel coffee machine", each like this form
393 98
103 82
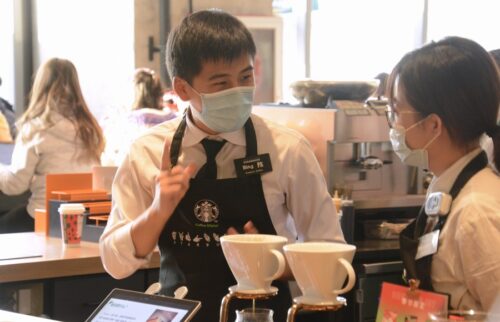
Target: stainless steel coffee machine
361 164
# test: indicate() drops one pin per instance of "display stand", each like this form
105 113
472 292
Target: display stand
243 296
296 307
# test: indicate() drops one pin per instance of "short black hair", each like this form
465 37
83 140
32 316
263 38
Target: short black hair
207 35
456 79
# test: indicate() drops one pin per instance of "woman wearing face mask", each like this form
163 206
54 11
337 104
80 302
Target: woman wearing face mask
443 97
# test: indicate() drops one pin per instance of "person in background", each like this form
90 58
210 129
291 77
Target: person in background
148 107
147 110
188 167
8 112
443 98
57 134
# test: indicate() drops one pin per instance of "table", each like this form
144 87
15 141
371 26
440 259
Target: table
74 280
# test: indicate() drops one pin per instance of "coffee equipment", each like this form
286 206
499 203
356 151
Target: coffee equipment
380 194
386 195
255 261
360 158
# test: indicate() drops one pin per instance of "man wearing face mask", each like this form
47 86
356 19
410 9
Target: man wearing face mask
443 98
217 170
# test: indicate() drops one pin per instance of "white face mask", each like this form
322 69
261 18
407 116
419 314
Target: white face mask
227 110
417 157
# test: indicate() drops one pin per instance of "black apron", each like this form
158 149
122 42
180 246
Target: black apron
409 238
189 243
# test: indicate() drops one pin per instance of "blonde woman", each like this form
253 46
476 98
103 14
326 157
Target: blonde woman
57 134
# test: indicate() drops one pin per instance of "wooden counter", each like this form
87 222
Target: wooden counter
72 280
50 259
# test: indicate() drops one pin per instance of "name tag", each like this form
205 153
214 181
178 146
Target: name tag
428 244
253 165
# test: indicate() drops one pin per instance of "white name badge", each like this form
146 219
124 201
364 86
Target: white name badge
428 244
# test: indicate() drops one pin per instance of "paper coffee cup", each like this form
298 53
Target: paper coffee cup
71 215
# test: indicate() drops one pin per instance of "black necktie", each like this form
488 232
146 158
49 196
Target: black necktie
209 169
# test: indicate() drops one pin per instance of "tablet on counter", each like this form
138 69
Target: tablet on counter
125 305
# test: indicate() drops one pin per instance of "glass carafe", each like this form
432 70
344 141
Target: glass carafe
254 315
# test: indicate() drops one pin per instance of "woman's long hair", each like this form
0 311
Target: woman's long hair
148 90
56 89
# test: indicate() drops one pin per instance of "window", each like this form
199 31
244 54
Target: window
358 39
7 52
477 20
98 37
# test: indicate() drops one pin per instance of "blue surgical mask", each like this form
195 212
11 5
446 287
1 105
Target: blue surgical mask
417 157
227 110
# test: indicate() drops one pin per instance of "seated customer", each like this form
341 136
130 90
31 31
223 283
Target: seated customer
57 134
147 111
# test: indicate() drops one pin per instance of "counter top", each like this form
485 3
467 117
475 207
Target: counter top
390 202
6 316
33 256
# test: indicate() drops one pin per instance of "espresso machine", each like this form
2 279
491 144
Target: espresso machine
361 162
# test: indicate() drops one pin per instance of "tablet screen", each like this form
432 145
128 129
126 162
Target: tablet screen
129 306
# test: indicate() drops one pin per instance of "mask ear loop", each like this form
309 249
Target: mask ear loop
431 141
434 138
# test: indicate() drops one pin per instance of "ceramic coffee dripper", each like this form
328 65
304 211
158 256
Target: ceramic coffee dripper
255 261
320 269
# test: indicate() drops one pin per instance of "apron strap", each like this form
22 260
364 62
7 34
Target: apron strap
250 138
175 147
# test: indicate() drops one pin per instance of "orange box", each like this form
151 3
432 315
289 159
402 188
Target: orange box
41 222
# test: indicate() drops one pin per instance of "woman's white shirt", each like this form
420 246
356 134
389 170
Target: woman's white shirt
467 264
53 150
